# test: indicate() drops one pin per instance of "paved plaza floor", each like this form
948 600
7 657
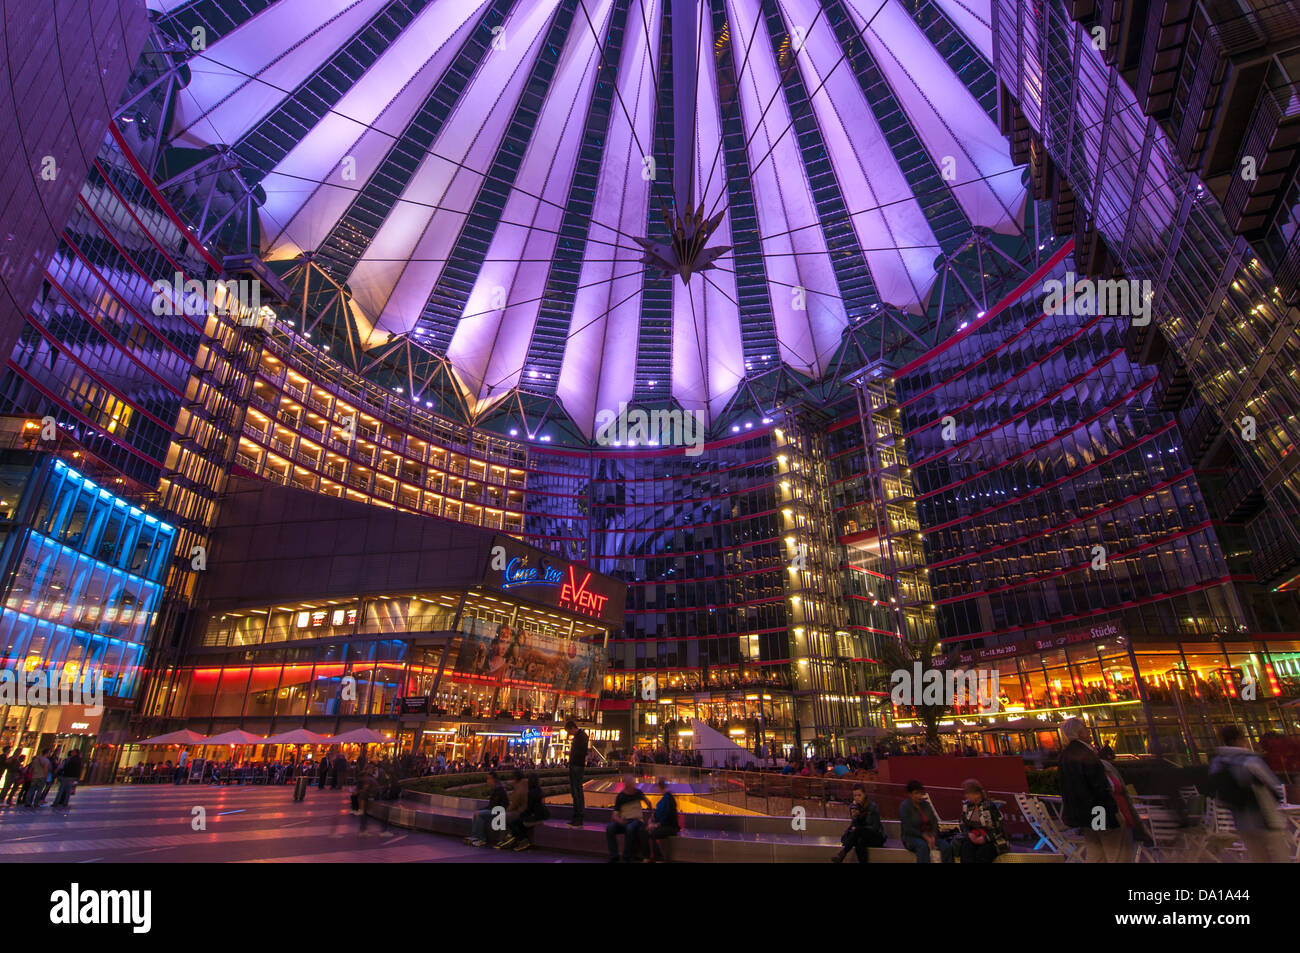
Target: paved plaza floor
154 824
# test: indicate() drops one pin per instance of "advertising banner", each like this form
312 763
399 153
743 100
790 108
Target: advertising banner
501 655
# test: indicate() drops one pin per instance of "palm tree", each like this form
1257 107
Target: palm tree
902 655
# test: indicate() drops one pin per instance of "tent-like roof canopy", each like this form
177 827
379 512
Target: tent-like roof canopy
607 201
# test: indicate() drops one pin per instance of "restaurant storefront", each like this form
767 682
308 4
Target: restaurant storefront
488 649
1178 692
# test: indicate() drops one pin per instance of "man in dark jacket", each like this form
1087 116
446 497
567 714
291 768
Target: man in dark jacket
920 826
865 828
664 823
69 775
490 819
1087 799
339 772
577 768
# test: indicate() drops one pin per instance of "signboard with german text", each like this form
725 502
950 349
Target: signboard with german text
536 576
1096 633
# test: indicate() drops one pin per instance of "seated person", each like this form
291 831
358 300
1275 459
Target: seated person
664 823
534 812
627 820
921 826
480 829
982 833
865 829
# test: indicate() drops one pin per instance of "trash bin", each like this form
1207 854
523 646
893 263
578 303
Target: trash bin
300 787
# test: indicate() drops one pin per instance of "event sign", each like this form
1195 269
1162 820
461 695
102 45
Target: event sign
537 576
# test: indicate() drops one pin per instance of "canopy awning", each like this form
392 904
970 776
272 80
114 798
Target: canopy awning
236 737
360 736
182 737
298 736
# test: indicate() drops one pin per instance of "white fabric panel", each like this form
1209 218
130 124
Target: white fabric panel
599 367
491 342
708 358
384 282
945 115
973 18
280 47
307 194
798 267
891 229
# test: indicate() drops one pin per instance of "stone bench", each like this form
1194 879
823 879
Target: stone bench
729 843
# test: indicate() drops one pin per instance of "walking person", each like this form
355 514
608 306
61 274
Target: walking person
578 746
1088 799
15 778
340 771
1243 781
69 775
38 774
367 791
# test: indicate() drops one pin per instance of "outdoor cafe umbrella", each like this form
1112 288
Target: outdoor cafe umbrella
298 736
236 737
182 737
359 736
869 731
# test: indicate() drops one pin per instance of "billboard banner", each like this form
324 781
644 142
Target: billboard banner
500 655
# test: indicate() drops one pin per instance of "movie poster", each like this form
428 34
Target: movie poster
502 655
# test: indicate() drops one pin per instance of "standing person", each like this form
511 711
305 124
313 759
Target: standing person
367 791
1088 800
323 771
865 830
340 770
182 768
14 778
498 797
69 775
38 776
665 822
983 834
1244 782
921 826
578 744
627 820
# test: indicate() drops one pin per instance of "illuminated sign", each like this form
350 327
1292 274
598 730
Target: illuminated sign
519 573
578 597
531 574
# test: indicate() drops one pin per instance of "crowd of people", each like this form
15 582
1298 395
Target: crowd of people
26 783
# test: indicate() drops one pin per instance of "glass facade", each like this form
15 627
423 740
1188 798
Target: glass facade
1058 502
83 583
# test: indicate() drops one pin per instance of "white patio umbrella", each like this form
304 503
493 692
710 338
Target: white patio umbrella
182 737
298 736
360 736
236 737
